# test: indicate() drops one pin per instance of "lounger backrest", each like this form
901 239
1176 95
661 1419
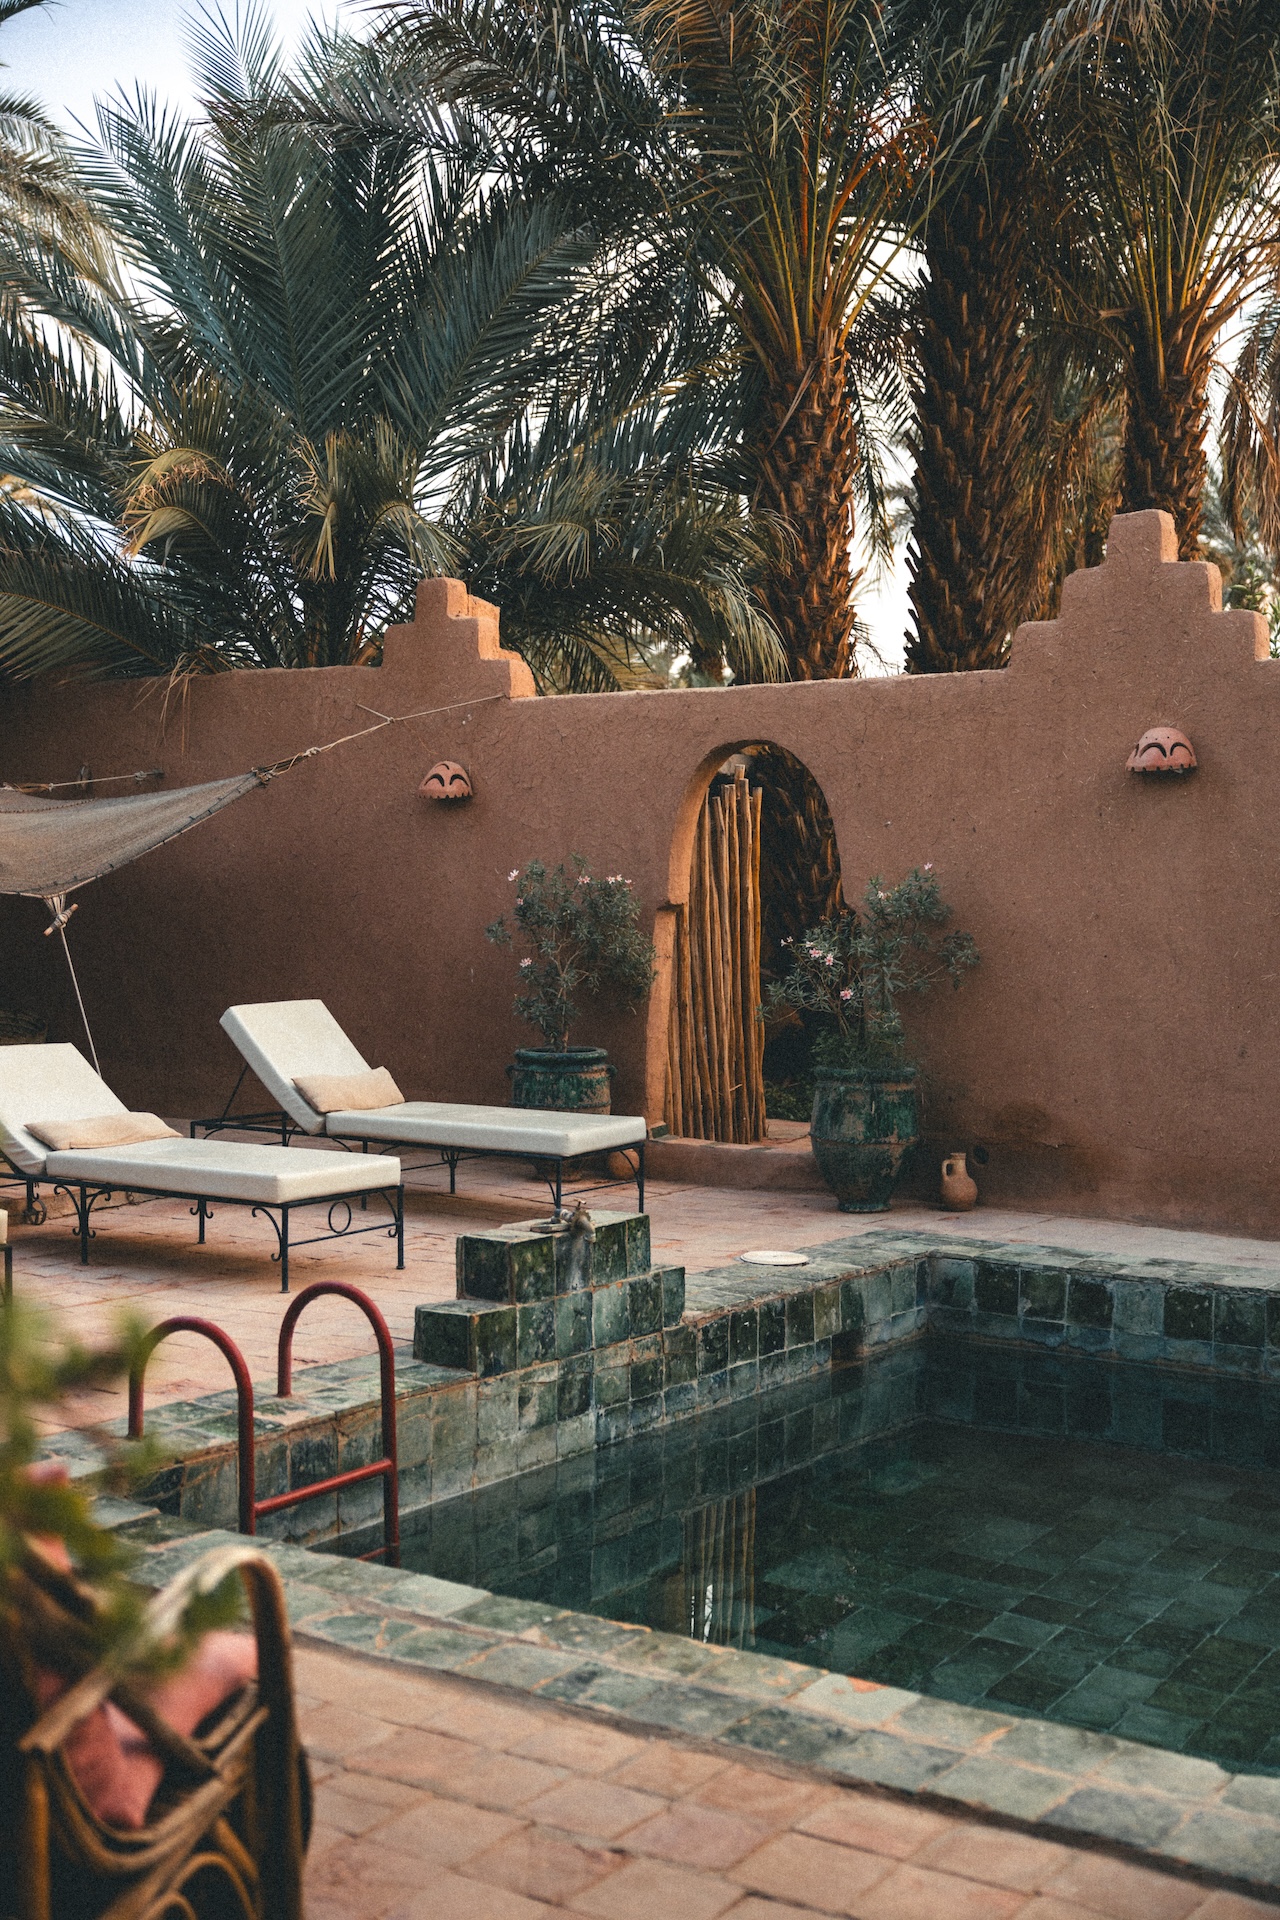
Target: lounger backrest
46 1083
282 1039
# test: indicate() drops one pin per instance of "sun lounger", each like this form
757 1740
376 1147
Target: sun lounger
46 1086
286 1040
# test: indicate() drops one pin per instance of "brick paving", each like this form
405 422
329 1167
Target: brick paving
441 1799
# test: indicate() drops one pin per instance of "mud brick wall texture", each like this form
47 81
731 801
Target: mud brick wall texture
1115 1053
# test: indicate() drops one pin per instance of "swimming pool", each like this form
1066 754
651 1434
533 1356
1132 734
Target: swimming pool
1077 1540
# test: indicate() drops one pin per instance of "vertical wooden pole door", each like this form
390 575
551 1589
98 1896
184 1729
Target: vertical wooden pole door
715 1037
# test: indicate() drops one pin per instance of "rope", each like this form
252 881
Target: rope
94 780
264 773
62 935
384 720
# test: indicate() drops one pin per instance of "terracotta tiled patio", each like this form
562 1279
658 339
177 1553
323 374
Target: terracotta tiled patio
441 1799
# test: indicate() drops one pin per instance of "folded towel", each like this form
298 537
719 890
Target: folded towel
349 1092
106 1130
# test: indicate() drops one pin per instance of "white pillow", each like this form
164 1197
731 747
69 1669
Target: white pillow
107 1130
349 1092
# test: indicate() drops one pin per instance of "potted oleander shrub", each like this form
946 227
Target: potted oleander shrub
583 937
848 973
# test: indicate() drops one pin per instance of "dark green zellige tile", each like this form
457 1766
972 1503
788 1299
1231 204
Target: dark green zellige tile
1043 1293
744 1335
645 1304
798 1737
1088 1303
773 1330
995 1287
1239 1319
799 1319
713 1345
1188 1314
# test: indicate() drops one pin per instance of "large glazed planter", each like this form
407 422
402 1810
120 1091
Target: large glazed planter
863 1124
575 1081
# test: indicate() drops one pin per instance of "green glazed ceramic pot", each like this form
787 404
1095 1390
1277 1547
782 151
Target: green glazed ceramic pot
863 1124
575 1081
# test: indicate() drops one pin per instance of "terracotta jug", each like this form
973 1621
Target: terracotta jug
959 1190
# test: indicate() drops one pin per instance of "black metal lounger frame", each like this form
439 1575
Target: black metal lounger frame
84 1196
276 1121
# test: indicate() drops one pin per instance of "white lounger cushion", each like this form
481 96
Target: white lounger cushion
286 1039
227 1169
47 1083
432 1123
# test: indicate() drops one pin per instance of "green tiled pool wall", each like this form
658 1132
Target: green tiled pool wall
631 1499
1194 1415
603 1521
743 1331
966 1521
1224 1319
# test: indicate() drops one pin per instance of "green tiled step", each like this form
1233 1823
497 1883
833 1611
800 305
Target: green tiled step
527 1262
487 1337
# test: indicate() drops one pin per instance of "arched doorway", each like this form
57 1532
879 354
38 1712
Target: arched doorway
754 863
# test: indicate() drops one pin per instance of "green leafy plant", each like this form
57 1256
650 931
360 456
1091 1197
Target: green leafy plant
851 969
585 935
44 1514
339 346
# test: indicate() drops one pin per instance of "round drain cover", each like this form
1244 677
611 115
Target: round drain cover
771 1257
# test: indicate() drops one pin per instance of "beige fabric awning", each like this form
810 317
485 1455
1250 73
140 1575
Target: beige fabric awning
49 847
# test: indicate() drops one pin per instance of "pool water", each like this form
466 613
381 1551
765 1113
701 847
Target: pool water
963 1523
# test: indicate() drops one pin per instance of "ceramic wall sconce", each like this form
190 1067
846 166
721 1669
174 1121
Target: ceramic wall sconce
447 780
1162 751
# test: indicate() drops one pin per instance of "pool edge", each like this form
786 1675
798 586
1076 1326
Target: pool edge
1161 1809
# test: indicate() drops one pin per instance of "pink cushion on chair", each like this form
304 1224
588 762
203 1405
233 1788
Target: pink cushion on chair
110 1759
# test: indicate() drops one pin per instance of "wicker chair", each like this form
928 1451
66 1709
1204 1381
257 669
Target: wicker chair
226 1832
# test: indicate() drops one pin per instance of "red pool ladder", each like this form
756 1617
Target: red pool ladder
250 1508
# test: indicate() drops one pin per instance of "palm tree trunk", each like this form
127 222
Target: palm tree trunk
972 564
1166 415
803 459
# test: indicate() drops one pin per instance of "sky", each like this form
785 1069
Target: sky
69 52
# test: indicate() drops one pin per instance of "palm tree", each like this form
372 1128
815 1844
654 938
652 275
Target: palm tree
1168 218
38 186
799 156
774 156
329 361
980 421
1247 499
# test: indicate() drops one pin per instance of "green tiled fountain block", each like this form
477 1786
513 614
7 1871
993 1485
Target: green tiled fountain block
467 1335
526 1261
515 1264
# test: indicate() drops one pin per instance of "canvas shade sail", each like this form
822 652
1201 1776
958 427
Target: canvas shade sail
50 847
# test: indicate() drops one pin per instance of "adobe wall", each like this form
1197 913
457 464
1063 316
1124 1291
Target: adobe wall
1117 1052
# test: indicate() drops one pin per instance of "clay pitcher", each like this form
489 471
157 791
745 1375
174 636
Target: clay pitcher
959 1189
